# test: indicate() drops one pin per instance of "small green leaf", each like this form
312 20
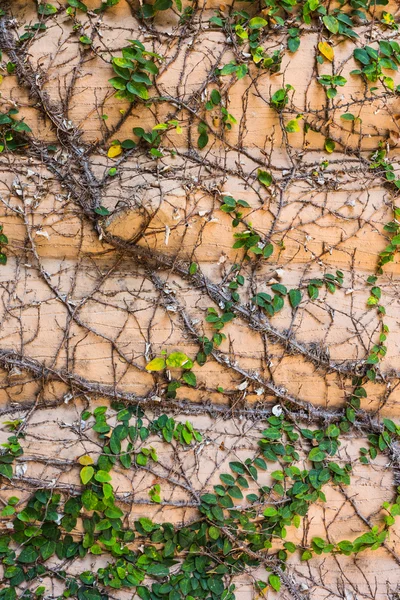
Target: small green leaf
86 474
295 297
28 555
348 117
316 455
190 378
46 9
215 97
77 4
264 177
48 549
84 39
329 145
268 250
213 532
178 359
257 23
102 210
331 23
102 476
270 511
274 582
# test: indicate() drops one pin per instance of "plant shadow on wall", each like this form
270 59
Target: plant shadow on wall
133 194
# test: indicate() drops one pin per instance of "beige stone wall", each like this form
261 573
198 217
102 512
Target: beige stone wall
78 312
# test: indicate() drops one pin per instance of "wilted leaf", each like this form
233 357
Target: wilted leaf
326 50
157 364
85 460
114 150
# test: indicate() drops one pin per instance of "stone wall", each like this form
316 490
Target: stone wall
86 302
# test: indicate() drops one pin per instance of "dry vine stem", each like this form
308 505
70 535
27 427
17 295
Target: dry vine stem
214 246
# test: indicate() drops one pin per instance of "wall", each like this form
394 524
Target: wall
87 302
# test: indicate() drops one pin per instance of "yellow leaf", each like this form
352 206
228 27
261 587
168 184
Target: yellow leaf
326 50
114 151
85 460
1 79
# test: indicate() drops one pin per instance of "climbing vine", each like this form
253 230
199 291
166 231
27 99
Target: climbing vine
198 122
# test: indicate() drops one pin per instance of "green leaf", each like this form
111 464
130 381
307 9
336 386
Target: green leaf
118 83
295 297
46 9
390 425
264 177
209 498
270 511
345 546
102 210
215 97
5 120
143 592
138 89
331 23
203 138
316 455
279 288
48 549
89 500
257 23
227 479
28 555
235 492
268 250
329 145
102 476
348 117
216 586
293 44
362 56
162 5
6 470
290 547
237 467
86 474
274 582
158 570
21 126
241 71
77 4
7 511
178 359
113 512
189 378
213 532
